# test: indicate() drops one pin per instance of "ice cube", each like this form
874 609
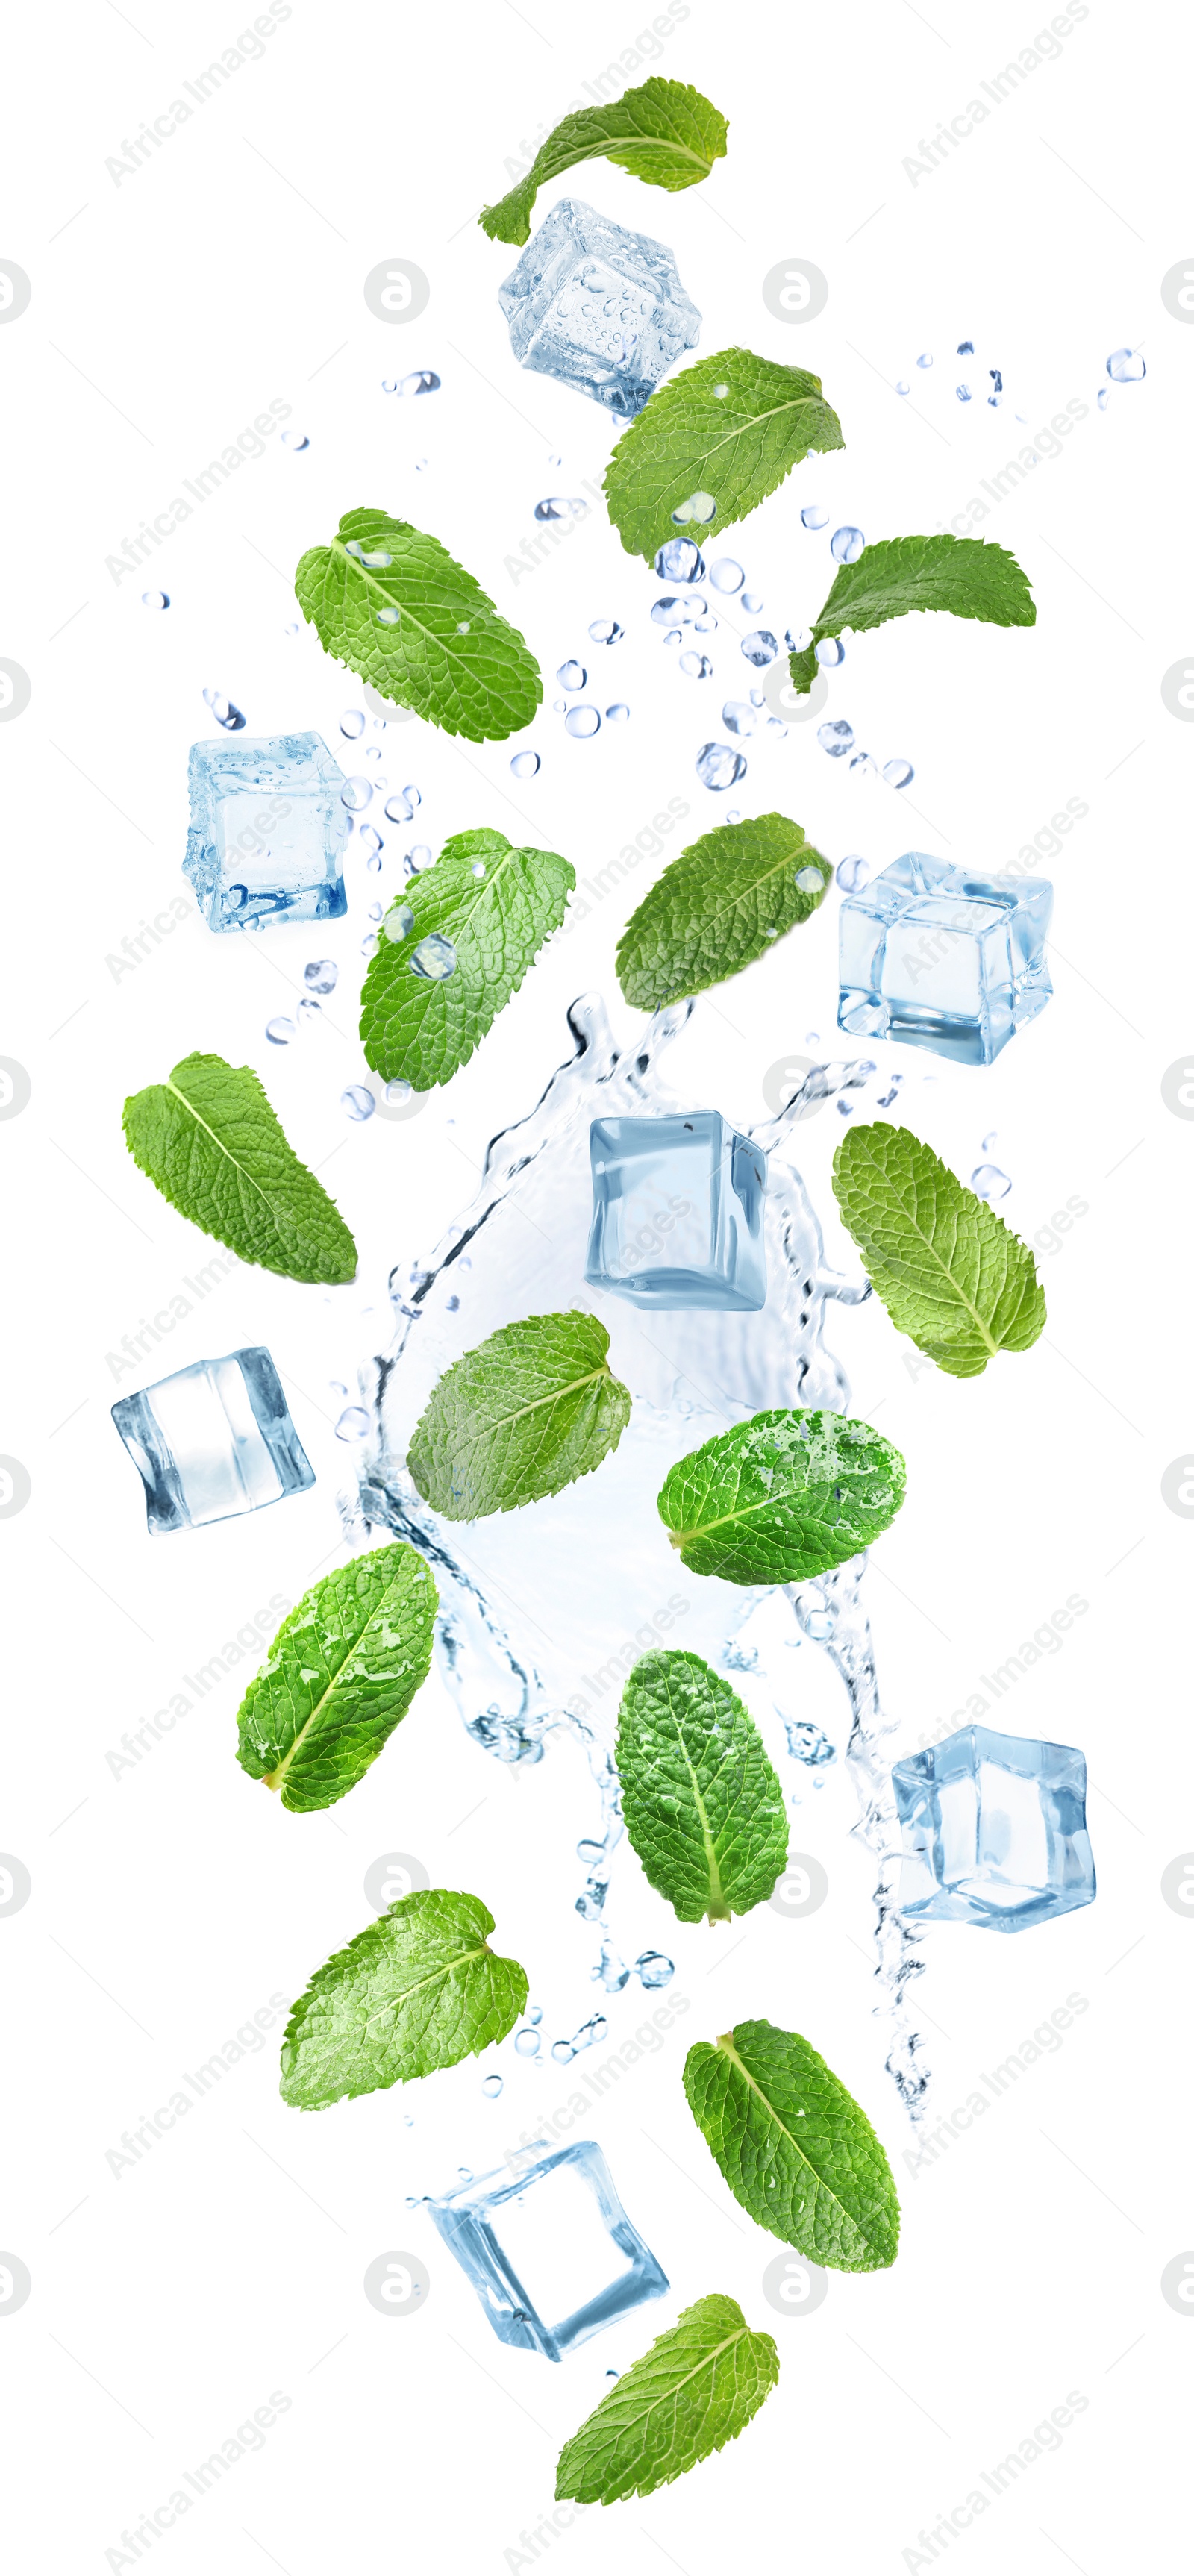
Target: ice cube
268 830
598 307
551 2253
944 957
213 1440
677 1213
994 1831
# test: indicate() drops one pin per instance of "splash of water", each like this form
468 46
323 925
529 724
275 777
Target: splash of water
544 1612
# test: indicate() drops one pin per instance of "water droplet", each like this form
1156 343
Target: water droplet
352 722
812 1037
435 957
963 393
353 1423
369 841
965 348
354 548
526 2043
563 2052
1125 367
718 765
990 1139
925 359
478 868
555 508
389 616
1103 397
559 706
375 908
726 575
863 762
280 1032
996 380
356 793
696 666
898 773
674 637
423 381
398 810
225 713
420 464
903 388
582 722
830 651
617 714
292 630
397 1094
491 2087
465 2172
412 796
605 630
820 1624
752 601
379 562
155 599
809 881
614 2374
321 974
759 647
846 545
572 675
418 856
464 626
295 440
836 738
399 922
389 384
852 873
697 510
654 1969
680 560
309 1012
357 1102
369 943
525 764
806 1742
720 392
988 1182
733 813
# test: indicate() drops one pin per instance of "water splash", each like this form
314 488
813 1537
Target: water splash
543 1612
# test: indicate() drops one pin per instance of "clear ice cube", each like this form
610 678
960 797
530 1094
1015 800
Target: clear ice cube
551 2254
598 307
213 1440
678 1213
944 957
268 831
994 1831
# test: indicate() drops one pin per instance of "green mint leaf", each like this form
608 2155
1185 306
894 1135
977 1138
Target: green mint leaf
782 1497
445 652
899 574
496 906
341 1672
794 2147
717 907
693 2392
416 1990
951 1274
209 1141
704 1810
732 447
524 1414
663 132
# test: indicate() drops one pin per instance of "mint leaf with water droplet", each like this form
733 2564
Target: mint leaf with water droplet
693 2392
663 132
341 1672
794 2147
898 575
951 1274
722 903
524 1414
731 428
414 623
782 1497
209 1141
495 906
704 1810
418 1989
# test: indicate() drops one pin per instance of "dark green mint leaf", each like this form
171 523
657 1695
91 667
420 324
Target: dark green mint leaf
735 446
782 1497
794 2147
720 904
209 1141
418 627
951 1274
663 132
693 2392
900 574
341 1672
417 1989
703 1807
420 1029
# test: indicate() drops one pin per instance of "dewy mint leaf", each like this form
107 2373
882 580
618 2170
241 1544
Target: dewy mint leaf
693 2392
951 1274
495 906
341 1672
794 2147
524 1414
899 574
718 906
663 132
704 1810
209 1141
417 1989
782 1497
729 430
394 605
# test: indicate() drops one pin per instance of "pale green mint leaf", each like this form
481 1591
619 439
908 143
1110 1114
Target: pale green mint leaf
495 906
343 1668
663 132
719 905
951 1274
900 574
693 2392
782 1497
524 1414
703 1807
413 622
794 2147
209 1141
417 1989
729 429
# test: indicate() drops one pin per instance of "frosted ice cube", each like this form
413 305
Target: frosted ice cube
944 957
994 1831
213 1440
598 307
677 1213
268 830
551 2254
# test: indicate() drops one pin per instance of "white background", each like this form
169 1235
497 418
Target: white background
170 1901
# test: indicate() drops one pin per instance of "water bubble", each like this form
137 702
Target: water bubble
965 348
525 764
752 601
996 381
898 773
667 611
309 1012
830 651
1103 397
990 1139
155 599
423 381
369 841
491 2087
617 714
733 813
353 1423
379 562
352 722
554 507
582 723
674 637
375 908
295 440
526 2043
354 548
464 626
399 923
321 974
720 392
814 516
718 765
963 393
696 666
563 2052
726 575
680 560
1125 367
418 856
389 384
390 616
280 1032
705 626
397 1094
357 1102
862 761
605 630
846 544
852 873
292 630
760 647
572 675
435 957
225 713
369 943
412 796
478 868
809 881
398 810
925 359
697 510
836 738
653 1969
903 388
988 1182
356 793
